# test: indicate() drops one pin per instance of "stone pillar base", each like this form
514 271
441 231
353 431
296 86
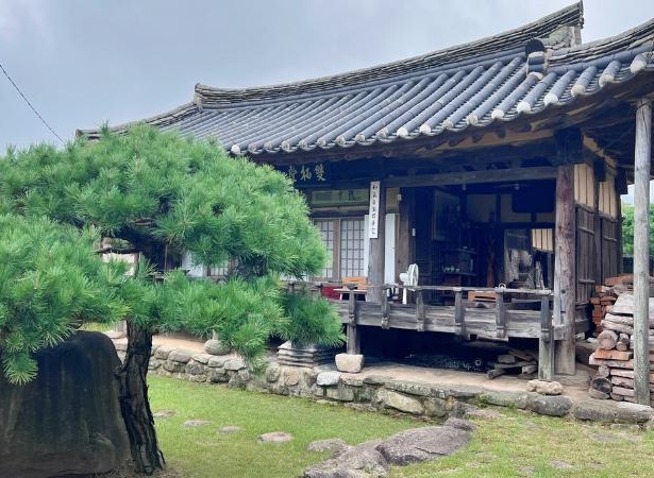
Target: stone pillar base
349 363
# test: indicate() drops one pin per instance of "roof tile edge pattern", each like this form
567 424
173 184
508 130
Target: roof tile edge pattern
421 96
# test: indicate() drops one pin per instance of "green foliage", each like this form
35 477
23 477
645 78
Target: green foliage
50 282
311 320
166 194
628 229
163 195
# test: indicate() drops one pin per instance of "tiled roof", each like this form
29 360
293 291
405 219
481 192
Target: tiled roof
524 71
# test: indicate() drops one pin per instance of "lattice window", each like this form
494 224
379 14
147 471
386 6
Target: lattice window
327 232
352 247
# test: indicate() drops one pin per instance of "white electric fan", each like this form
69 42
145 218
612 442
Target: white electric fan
409 279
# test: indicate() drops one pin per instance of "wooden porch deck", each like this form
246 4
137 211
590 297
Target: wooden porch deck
500 320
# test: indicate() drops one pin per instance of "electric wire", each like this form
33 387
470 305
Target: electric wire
22 95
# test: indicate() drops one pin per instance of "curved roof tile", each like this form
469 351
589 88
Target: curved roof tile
523 71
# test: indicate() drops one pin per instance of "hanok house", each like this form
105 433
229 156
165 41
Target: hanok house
495 166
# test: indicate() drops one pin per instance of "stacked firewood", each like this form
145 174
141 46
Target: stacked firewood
520 362
614 354
606 295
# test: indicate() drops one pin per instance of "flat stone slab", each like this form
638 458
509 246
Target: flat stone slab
275 437
428 443
361 461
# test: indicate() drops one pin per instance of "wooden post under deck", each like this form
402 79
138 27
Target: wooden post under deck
569 146
377 251
545 342
353 339
642 163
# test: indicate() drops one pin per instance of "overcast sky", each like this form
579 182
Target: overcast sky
82 63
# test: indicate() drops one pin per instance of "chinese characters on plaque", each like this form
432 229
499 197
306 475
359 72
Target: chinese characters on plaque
374 209
307 173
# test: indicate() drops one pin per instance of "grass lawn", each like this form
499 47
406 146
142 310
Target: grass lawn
514 445
203 452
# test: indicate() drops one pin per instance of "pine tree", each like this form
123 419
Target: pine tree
159 195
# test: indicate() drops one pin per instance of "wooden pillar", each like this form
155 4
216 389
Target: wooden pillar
598 272
569 147
353 338
545 342
642 163
377 241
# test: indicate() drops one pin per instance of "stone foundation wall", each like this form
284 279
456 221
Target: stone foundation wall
376 393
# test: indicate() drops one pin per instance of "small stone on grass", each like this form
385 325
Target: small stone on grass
195 423
561 465
275 437
163 414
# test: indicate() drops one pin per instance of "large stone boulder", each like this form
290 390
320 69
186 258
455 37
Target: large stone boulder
67 421
361 461
428 443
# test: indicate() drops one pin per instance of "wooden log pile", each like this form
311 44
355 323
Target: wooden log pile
614 353
606 295
516 361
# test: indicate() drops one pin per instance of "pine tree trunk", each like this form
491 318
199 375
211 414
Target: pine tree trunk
134 403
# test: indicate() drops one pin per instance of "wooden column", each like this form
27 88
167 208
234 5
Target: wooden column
377 248
545 342
569 145
642 163
598 273
353 338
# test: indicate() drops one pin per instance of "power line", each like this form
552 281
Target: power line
30 104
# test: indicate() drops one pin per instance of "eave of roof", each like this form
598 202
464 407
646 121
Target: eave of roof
476 84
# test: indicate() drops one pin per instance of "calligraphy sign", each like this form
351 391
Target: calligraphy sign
374 210
307 173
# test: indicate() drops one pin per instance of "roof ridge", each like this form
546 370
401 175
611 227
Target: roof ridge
570 16
634 38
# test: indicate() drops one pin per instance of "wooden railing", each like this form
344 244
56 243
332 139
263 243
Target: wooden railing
546 336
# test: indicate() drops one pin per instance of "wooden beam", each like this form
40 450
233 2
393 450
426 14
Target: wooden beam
474 177
376 256
564 256
642 163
